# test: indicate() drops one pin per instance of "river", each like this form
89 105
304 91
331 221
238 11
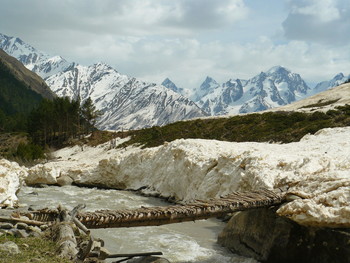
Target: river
182 242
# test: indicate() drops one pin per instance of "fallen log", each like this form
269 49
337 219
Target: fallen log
65 237
14 220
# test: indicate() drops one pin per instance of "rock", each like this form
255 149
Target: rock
64 180
34 229
6 226
263 235
148 259
20 233
42 174
44 227
34 234
21 226
9 247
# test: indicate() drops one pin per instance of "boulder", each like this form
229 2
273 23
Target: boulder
64 180
263 235
42 174
9 247
11 178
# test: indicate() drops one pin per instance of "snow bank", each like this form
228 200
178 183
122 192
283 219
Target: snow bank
71 161
317 168
11 178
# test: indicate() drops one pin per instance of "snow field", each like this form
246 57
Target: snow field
317 169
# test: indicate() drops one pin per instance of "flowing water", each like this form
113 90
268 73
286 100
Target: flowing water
182 242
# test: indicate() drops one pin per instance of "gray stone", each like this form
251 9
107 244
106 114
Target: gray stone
34 229
6 225
64 180
263 235
34 234
9 247
20 233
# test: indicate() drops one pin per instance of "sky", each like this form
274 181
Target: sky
187 40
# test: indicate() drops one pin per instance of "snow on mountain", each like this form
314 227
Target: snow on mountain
336 81
322 101
42 64
171 85
125 102
278 86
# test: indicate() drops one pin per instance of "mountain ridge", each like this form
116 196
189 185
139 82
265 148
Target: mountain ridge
113 92
276 87
109 90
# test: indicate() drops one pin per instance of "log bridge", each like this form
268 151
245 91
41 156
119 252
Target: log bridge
155 216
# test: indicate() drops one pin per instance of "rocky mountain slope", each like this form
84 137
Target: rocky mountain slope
336 81
278 86
126 103
323 101
42 64
274 88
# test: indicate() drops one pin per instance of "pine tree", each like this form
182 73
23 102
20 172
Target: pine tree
89 114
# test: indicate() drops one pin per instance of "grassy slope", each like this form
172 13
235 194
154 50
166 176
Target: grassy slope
266 127
32 249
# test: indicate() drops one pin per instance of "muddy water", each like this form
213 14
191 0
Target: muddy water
183 242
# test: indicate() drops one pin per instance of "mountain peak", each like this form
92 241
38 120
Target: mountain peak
278 69
171 85
209 83
339 76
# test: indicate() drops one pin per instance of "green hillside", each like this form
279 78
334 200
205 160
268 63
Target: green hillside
280 126
17 100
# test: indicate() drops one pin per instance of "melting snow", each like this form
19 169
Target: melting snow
317 168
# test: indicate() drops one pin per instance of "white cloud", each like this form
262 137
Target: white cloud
187 61
322 10
123 17
187 40
322 21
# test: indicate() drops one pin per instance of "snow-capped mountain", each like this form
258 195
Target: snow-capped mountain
42 64
171 85
336 81
278 86
125 102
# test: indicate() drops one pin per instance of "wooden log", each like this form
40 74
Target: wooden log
14 220
65 237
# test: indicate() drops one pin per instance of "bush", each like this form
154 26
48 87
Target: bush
29 152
